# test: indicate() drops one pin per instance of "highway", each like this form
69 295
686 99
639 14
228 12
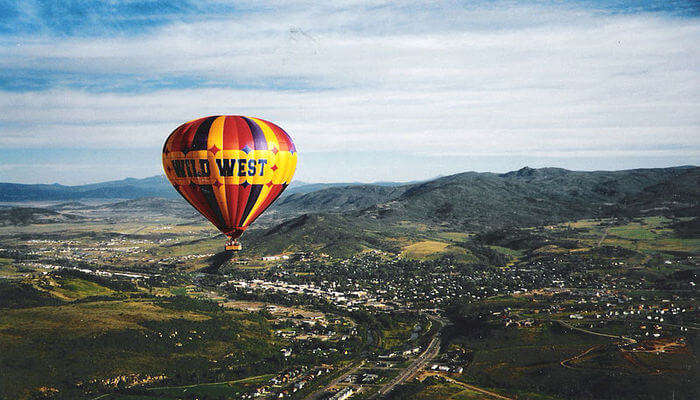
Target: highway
351 370
406 374
416 366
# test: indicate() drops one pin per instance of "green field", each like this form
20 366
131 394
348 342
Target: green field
397 336
61 346
423 249
438 392
7 268
528 360
216 390
507 251
647 235
72 289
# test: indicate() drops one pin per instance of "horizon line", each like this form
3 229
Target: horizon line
304 182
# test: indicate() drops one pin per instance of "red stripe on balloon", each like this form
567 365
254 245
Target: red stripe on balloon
232 131
179 140
188 134
232 204
245 139
243 195
272 195
230 134
245 135
283 137
174 138
198 201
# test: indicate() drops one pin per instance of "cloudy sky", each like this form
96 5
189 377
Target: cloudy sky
369 90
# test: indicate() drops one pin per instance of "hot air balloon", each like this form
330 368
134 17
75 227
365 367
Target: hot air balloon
230 168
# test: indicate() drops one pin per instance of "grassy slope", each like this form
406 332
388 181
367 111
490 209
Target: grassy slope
325 233
459 203
58 346
527 360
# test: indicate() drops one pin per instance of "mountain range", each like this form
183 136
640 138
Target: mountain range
345 217
338 220
525 197
130 188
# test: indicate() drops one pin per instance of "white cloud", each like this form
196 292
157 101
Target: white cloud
520 80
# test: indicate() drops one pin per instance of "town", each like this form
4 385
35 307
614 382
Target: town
375 324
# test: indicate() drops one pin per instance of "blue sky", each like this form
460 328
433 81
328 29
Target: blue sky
369 90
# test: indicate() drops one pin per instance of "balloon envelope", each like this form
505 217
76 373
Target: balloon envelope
230 168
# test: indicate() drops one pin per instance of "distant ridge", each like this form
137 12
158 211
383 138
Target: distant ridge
129 188
468 200
344 220
525 197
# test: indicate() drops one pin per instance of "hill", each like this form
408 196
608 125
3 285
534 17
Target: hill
31 215
527 197
159 205
129 188
132 188
677 196
523 198
70 205
324 233
339 199
354 218
349 218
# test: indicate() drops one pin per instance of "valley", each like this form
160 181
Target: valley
543 284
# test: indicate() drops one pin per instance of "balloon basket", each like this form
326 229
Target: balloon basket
234 245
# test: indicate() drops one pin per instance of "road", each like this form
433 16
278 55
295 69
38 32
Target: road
605 234
335 381
476 389
577 358
430 352
406 374
568 325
